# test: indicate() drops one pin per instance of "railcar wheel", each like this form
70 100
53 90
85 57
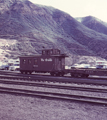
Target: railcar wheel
80 75
84 75
26 72
29 72
21 72
61 74
74 75
57 74
52 73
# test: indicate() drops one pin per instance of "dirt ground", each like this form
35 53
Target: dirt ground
15 107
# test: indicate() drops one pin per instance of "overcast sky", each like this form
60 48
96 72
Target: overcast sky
79 8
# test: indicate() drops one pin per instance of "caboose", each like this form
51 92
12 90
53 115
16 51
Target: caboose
50 61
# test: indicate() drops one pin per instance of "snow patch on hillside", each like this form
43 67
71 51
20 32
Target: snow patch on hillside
4 44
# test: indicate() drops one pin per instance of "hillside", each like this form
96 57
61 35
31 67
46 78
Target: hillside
94 24
27 28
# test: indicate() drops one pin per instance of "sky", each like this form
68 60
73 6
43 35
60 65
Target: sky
78 8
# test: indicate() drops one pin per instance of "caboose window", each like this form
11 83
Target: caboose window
58 52
43 52
51 52
29 61
24 61
35 60
48 52
59 59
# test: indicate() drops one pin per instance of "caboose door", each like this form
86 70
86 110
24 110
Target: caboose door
35 64
58 63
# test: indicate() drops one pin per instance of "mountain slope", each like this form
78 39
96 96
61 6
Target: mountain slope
94 24
34 27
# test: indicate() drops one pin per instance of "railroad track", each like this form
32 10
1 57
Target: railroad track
66 87
53 95
18 76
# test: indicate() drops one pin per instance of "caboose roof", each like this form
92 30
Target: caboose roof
30 55
60 55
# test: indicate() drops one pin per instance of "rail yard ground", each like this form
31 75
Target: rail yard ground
21 107
15 107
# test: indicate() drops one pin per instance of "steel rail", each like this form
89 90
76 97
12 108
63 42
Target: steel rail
53 79
25 83
41 75
52 95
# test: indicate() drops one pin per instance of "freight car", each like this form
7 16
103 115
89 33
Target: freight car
85 72
53 62
50 61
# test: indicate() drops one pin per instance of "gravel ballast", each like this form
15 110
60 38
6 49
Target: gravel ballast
16 107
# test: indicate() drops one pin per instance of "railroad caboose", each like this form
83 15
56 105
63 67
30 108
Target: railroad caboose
50 61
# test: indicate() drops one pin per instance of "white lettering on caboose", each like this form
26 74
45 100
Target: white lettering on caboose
42 59
49 59
46 59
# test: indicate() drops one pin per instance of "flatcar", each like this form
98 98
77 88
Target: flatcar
50 61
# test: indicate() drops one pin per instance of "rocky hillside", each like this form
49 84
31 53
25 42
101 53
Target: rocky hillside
27 28
94 24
